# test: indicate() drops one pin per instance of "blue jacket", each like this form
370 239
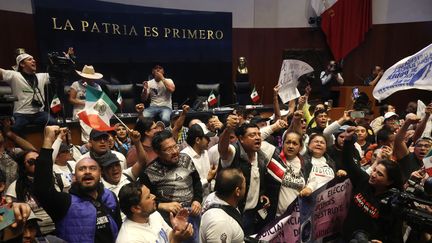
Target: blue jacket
79 224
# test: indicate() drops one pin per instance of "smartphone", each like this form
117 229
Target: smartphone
357 114
355 92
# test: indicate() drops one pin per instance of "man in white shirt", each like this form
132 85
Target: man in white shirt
159 90
221 220
144 224
197 150
247 155
28 86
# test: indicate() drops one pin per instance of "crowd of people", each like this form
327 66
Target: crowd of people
206 181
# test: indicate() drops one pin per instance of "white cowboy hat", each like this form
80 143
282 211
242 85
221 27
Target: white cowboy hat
89 72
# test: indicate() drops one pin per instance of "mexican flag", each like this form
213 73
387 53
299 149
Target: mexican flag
254 95
55 104
212 100
427 161
98 110
119 99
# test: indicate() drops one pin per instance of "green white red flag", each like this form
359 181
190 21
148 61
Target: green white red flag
254 95
98 110
212 100
55 104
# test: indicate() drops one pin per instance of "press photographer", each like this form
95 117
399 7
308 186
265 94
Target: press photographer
29 87
330 77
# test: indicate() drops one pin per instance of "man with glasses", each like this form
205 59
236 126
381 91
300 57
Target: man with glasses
144 223
89 212
411 162
173 178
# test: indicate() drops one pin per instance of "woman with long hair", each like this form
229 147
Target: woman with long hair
366 212
21 190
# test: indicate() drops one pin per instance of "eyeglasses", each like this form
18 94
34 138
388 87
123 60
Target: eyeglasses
31 161
171 149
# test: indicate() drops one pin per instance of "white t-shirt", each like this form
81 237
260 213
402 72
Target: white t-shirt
291 185
320 174
80 88
156 230
254 183
66 174
202 165
24 92
217 226
159 95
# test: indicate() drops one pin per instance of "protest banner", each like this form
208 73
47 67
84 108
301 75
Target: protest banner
310 219
412 72
291 70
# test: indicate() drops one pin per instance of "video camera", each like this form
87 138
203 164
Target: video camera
60 65
407 204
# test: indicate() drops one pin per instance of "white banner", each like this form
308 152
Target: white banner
413 72
291 70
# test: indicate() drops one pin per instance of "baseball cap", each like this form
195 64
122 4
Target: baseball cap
258 119
94 134
204 128
21 57
389 115
160 124
108 160
174 115
196 131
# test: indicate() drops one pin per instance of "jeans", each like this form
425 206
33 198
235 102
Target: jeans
39 118
159 112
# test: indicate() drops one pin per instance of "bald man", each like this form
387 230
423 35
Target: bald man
89 213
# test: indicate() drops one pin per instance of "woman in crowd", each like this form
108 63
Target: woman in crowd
122 143
319 167
284 177
21 190
148 128
366 211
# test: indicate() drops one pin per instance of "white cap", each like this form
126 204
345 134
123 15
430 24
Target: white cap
390 114
21 57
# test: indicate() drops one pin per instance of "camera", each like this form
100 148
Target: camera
59 65
36 103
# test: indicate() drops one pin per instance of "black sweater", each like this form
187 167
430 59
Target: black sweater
366 212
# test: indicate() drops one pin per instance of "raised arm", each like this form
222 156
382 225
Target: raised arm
295 125
56 204
276 108
180 121
355 173
21 142
223 147
142 154
400 149
169 84
422 124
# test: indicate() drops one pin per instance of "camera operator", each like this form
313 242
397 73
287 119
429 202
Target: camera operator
28 86
366 213
329 77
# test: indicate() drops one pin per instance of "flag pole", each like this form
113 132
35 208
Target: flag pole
127 128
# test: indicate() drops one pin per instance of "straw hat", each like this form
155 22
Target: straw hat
89 72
